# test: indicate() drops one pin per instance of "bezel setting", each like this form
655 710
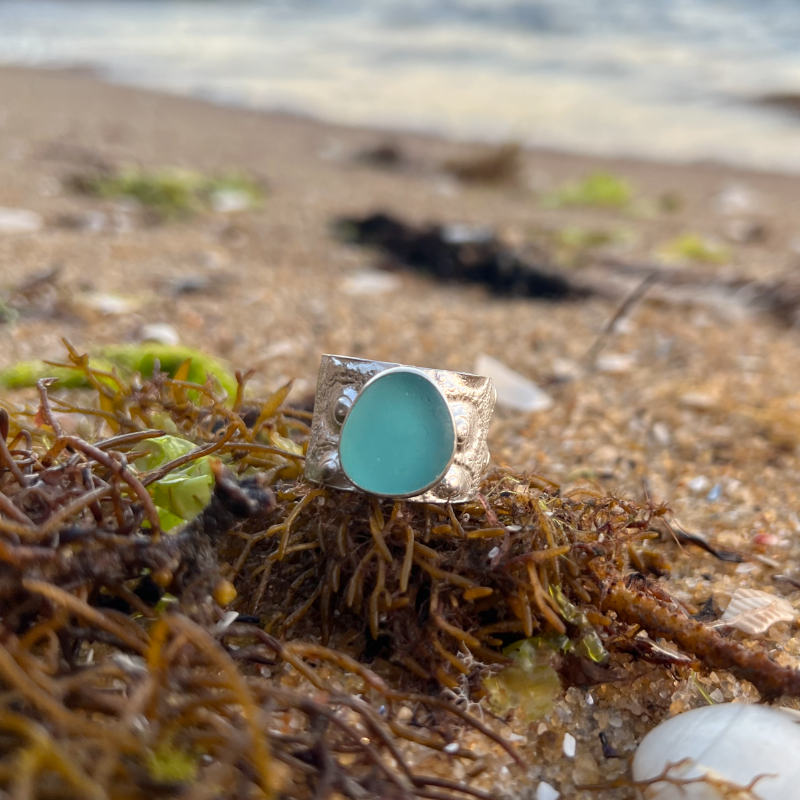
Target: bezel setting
469 398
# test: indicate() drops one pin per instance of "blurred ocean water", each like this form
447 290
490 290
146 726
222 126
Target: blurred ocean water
676 79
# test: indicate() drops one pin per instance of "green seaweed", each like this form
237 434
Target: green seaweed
588 643
168 764
127 359
598 190
25 374
141 358
693 247
169 192
183 493
530 683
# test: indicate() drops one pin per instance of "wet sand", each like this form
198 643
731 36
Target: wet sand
702 406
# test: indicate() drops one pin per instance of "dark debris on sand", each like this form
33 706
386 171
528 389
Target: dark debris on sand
458 253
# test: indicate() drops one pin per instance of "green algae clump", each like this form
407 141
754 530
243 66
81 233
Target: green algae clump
173 193
169 765
183 493
530 683
692 247
127 359
598 190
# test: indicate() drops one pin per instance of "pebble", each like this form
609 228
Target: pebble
159 332
463 233
615 363
736 199
698 484
284 347
189 284
90 221
107 304
544 791
228 201
565 369
745 231
661 433
514 391
370 282
19 220
569 745
586 769
765 539
698 401
733 741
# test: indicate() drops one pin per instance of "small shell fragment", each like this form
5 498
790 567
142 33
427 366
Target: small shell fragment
615 363
730 744
514 391
752 611
544 791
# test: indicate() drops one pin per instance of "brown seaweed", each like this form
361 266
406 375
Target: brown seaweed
451 254
290 640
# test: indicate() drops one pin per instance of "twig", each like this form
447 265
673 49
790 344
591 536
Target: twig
624 309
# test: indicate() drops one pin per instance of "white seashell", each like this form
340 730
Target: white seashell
19 220
730 742
752 611
368 282
107 304
160 332
514 391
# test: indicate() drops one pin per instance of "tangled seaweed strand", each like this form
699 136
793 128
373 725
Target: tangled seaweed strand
439 590
124 676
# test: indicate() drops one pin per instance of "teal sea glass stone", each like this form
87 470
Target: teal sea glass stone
399 437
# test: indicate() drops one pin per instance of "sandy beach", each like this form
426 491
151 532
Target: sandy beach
693 397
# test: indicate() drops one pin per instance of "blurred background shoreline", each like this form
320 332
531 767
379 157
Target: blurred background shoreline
689 81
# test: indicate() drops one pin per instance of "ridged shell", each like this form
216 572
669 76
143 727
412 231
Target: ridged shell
752 611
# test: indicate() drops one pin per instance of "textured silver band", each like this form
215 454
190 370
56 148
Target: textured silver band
471 399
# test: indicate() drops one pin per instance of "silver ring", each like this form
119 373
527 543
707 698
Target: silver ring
393 430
